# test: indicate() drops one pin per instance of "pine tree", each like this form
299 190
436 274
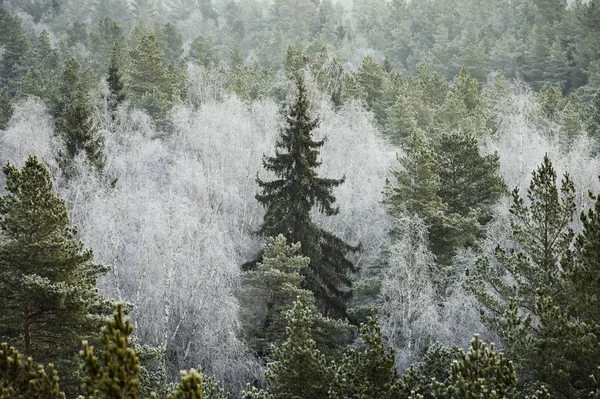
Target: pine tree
417 184
367 372
468 180
20 379
105 35
117 375
6 109
289 200
171 42
32 84
49 301
190 386
270 291
204 52
16 46
402 122
481 373
299 370
541 229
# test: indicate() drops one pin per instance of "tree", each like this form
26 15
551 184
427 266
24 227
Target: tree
74 122
117 375
13 63
481 373
6 109
105 35
171 42
299 370
20 379
115 82
204 52
542 233
32 84
48 297
416 187
367 372
276 283
468 180
289 200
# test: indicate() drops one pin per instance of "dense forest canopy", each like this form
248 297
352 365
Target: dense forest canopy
300 198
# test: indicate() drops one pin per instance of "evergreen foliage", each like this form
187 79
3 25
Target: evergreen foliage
366 372
289 199
299 370
6 109
541 229
19 378
75 123
49 300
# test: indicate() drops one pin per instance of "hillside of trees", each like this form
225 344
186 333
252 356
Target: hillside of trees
300 199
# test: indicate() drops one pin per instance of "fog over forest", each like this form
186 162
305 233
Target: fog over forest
300 198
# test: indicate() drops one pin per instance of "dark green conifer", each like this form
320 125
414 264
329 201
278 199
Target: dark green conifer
116 86
49 301
6 109
366 372
289 199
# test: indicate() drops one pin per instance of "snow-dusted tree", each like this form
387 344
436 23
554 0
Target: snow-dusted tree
409 312
6 109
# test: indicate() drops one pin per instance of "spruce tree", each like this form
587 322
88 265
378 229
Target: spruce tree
75 123
116 86
6 109
49 301
289 199
13 39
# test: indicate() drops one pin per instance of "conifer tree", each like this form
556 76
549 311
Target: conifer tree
417 184
367 372
481 373
117 375
203 51
48 299
32 84
468 180
276 282
289 199
6 109
16 46
116 86
75 123
299 369
19 378
541 229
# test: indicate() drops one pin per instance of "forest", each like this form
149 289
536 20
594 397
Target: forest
300 199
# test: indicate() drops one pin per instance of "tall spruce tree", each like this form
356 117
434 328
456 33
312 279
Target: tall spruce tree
289 199
48 296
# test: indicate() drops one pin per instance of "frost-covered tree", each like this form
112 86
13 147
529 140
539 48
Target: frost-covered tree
408 308
289 199
49 298
6 109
